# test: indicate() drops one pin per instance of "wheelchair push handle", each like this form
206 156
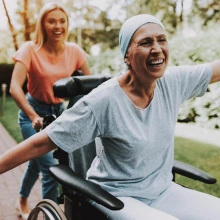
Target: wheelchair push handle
77 85
48 119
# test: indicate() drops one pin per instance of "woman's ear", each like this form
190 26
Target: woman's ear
126 60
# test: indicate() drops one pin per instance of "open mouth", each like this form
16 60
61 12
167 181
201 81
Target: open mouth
57 33
156 63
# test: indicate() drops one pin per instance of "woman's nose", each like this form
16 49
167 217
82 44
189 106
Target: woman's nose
156 48
58 24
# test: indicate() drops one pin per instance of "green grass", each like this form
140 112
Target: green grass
10 118
203 156
200 155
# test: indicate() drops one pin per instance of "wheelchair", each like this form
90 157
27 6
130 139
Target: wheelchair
77 192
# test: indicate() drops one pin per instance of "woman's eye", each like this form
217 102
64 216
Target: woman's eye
162 39
50 21
145 43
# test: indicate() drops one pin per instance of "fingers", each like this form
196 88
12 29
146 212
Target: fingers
37 124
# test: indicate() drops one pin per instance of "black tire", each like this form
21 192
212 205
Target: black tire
49 209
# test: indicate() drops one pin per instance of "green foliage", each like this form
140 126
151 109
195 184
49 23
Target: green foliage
194 50
6 46
165 10
208 11
200 48
203 110
109 62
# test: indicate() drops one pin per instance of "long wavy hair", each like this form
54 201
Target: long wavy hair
40 36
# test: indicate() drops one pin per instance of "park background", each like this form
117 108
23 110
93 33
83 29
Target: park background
193 29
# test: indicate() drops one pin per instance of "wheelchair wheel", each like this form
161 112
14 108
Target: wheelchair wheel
47 210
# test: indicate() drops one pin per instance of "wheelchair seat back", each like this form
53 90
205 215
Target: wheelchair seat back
74 88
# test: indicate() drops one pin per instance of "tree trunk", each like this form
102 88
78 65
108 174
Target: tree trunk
11 27
27 34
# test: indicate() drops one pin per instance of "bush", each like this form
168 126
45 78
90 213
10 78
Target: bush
109 62
194 50
5 75
205 110
204 47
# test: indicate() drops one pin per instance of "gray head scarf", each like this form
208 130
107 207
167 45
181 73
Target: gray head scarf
131 25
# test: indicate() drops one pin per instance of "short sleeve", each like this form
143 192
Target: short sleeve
193 80
76 127
23 54
77 55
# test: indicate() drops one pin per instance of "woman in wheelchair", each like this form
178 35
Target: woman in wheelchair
134 114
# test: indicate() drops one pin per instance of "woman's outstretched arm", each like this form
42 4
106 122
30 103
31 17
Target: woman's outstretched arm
35 146
216 71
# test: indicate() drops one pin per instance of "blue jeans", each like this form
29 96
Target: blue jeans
41 164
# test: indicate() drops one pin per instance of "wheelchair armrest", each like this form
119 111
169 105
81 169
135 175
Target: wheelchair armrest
77 85
68 178
192 172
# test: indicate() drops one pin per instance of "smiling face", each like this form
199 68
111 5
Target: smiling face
55 25
148 52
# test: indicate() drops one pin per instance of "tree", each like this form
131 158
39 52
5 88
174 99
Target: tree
208 11
26 16
27 29
93 26
165 10
89 25
13 33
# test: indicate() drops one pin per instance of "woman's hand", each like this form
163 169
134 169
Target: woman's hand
216 71
18 78
37 123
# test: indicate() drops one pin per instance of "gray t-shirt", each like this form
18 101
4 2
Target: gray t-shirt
137 155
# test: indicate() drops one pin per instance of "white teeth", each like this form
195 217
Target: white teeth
57 32
156 61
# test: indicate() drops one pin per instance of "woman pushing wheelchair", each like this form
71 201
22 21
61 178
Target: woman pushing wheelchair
134 114
44 60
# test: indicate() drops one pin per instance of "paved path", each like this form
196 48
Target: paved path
193 131
10 181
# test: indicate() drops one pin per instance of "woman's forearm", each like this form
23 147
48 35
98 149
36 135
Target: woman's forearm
35 146
17 81
216 71
21 101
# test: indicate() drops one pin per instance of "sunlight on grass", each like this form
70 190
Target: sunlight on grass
203 156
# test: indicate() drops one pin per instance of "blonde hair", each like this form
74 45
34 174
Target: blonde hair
40 36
